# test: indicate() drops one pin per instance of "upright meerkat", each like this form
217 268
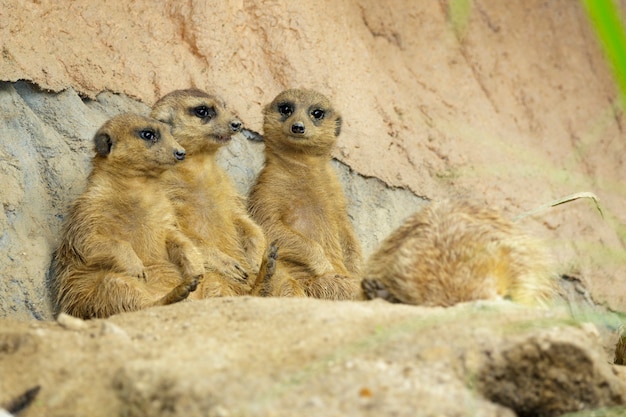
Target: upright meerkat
209 209
299 202
455 251
120 248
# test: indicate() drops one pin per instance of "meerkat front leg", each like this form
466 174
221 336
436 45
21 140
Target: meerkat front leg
183 253
252 240
351 249
117 254
301 250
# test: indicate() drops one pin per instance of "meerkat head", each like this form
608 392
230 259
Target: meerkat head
136 145
302 121
199 121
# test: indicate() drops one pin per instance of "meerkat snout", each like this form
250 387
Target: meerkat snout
179 154
235 125
297 128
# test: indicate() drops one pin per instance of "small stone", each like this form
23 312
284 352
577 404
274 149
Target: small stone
71 322
112 329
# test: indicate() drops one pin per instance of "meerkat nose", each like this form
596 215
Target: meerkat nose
235 125
179 154
297 128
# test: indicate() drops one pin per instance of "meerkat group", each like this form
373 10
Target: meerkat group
160 221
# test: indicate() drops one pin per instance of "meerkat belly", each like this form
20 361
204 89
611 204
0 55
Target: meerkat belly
312 218
144 225
206 215
310 221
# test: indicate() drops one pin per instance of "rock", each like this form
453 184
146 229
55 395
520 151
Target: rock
71 322
549 373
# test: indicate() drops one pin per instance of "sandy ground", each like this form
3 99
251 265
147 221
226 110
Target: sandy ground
296 357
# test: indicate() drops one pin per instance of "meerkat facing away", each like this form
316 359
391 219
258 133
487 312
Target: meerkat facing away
120 248
453 251
299 202
209 209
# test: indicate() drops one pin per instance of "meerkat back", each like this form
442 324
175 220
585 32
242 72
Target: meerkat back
120 250
454 251
299 202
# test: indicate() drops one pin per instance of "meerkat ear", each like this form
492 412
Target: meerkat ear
104 143
163 114
338 123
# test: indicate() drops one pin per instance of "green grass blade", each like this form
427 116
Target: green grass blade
605 18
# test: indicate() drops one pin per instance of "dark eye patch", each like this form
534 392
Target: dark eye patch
285 109
204 112
149 135
318 114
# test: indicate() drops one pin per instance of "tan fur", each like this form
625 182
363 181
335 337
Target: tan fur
120 249
209 209
299 202
455 251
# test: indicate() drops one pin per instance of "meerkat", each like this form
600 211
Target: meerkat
299 202
454 251
209 209
121 249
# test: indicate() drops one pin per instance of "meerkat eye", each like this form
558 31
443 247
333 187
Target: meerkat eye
204 112
149 135
318 114
285 109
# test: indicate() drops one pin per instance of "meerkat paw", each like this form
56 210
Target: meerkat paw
138 271
322 267
130 263
331 287
271 257
235 273
214 285
228 267
372 288
192 284
180 292
262 285
194 271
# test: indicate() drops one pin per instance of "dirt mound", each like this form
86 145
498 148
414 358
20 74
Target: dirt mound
261 357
